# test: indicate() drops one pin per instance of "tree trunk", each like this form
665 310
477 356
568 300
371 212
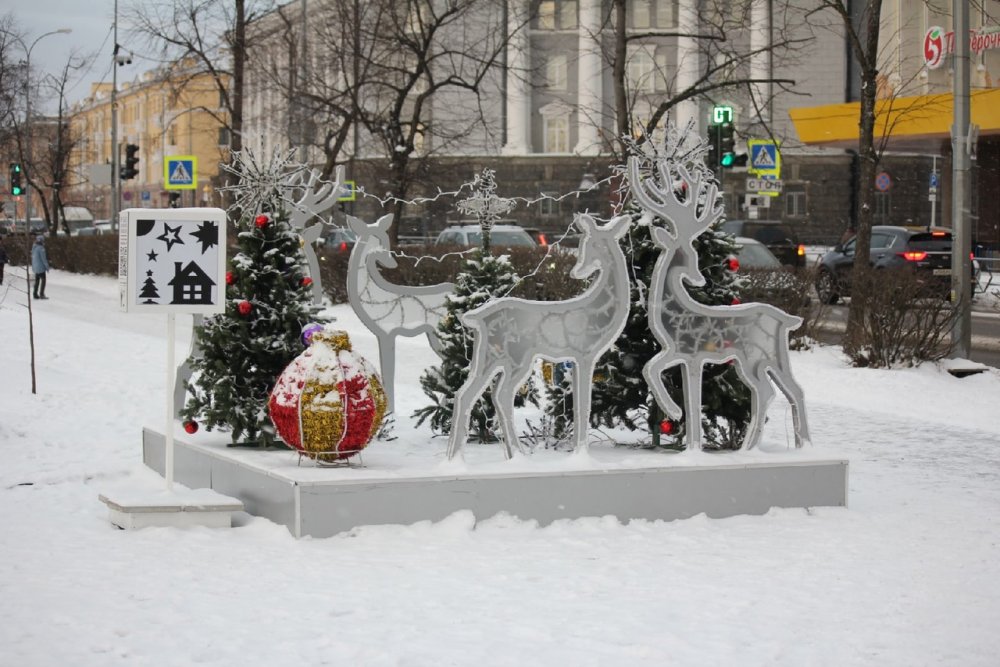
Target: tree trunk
869 159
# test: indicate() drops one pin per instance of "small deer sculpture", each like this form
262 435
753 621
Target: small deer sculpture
691 334
390 310
510 332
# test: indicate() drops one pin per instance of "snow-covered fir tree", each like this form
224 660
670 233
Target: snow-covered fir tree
268 302
483 277
621 396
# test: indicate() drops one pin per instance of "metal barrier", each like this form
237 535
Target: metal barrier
986 266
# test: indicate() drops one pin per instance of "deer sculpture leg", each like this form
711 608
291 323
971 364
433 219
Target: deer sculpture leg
387 365
653 372
503 400
691 378
796 399
583 378
480 376
761 395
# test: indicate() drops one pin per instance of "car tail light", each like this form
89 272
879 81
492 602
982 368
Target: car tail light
542 240
343 246
914 255
972 256
939 233
801 251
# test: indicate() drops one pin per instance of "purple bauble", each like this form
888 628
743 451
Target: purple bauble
308 331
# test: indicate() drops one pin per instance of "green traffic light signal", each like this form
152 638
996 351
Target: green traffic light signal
728 159
16 188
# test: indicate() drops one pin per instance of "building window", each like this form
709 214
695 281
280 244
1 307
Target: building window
555 72
665 16
548 207
556 15
795 204
223 136
639 14
556 131
883 206
640 70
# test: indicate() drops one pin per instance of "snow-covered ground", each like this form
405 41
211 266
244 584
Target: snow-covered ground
908 574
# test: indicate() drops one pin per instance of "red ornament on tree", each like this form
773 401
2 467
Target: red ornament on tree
230 278
191 426
736 301
329 402
666 427
307 281
733 264
245 307
262 220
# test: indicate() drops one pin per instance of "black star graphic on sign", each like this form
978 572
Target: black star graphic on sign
207 234
167 230
152 255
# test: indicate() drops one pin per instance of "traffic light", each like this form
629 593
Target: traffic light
727 145
16 188
713 146
175 198
129 169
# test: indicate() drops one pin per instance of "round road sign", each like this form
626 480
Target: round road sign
883 182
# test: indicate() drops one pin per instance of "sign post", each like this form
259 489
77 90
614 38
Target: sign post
172 261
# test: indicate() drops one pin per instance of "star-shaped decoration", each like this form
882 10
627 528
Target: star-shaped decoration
152 255
207 234
165 236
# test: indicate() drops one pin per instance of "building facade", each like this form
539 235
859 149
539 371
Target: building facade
169 112
547 114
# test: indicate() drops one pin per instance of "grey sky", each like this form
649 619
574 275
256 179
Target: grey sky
91 22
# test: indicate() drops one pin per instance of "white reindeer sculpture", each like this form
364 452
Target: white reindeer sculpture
692 334
314 201
510 332
390 310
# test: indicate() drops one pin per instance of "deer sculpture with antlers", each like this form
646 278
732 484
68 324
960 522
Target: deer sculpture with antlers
510 332
691 334
390 310
316 198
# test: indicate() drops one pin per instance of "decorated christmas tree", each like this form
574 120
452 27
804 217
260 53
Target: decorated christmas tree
483 277
621 396
244 350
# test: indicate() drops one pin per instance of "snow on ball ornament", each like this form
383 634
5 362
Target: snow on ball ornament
329 402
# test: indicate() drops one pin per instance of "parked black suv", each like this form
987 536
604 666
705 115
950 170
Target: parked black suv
777 236
926 251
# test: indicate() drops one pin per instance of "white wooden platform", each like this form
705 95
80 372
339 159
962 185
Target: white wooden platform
325 501
181 508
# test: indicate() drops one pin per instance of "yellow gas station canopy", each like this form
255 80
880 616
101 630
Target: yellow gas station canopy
906 121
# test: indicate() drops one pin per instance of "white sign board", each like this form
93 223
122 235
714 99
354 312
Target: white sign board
764 185
172 260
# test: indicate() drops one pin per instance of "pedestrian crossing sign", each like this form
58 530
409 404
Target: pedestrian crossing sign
180 172
765 158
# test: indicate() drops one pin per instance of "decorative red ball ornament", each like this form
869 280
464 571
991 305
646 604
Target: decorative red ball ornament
736 301
666 427
191 426
230 278
245 307
733 264
307 281
329 402
262 220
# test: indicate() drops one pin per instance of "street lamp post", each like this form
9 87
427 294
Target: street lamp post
27 119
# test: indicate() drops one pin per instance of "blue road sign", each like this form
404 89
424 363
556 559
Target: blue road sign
180 172
934 180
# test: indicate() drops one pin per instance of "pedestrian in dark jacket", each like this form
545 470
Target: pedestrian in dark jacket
40 265
3 260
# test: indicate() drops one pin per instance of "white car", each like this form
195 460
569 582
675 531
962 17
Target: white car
471 236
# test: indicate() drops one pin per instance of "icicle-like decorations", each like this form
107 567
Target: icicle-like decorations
329 402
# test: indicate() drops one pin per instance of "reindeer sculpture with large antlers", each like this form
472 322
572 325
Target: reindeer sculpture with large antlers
390 310
510 332
692 334
313 201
